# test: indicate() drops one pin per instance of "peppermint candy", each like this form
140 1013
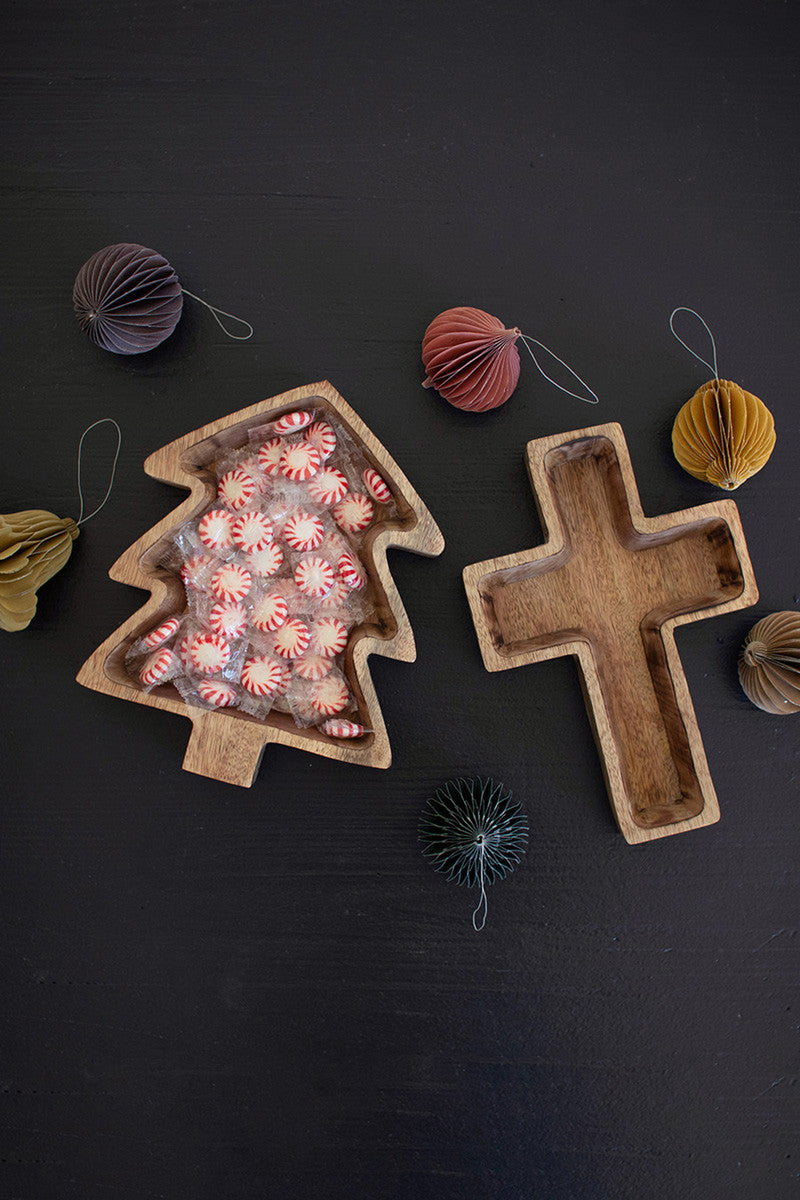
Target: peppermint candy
215 529
158 667
183 650
291 422
303 531
208 652
266 562
252 531
376 486
329 696
353 513
231 582
336 597
162 634
216 692
328 486
321 436
313 667
236 487
263 676
350 572
228 619
270 612
328 637
300 461
314 576
269 456
340 728
291 640
196 572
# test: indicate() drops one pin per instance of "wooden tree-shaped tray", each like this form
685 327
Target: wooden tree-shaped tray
228 744
610 586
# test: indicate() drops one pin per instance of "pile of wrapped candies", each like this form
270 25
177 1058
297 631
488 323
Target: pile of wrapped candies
274 579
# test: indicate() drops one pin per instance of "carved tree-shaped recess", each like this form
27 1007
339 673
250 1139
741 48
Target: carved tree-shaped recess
227 744
610 586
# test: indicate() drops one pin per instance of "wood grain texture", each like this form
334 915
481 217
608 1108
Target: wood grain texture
610 586
228 745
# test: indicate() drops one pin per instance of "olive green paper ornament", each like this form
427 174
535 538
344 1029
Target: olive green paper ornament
34 545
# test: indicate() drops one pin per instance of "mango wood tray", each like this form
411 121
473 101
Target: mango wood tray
228 745
610 586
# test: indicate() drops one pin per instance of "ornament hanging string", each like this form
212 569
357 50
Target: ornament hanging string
237 337
526 340
694 353
483 902
81 519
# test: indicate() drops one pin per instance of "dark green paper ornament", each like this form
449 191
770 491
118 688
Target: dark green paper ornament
475 833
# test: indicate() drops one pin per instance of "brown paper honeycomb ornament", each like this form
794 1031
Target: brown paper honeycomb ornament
769 664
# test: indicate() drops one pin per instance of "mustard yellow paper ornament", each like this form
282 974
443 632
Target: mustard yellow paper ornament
34 546
723 435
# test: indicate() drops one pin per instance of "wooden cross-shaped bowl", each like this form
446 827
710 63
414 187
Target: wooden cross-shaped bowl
610 586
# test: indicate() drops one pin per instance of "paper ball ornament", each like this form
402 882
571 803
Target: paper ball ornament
128 298
471 359
723 435
769 664
34 545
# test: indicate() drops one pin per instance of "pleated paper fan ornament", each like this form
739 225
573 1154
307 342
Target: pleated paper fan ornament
475 833
472 361
128 299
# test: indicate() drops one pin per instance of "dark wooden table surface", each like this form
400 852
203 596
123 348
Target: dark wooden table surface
218 994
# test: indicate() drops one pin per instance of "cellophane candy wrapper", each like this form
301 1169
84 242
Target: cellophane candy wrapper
272 570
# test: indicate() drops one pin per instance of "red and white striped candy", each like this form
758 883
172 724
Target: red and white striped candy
236 487
329 696
354 513
339 728
157 667
350 572
263 676
300 461
328 486
266 562
209 653
228 619
336 597
269 612
269 456
162 634
313 667
303 531
183 650
252 531
231 582
376 486
314 576
322 436
215 529
328 637
196 572
291 422
216 692
291 640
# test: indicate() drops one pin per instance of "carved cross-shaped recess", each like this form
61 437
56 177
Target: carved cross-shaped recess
609 586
